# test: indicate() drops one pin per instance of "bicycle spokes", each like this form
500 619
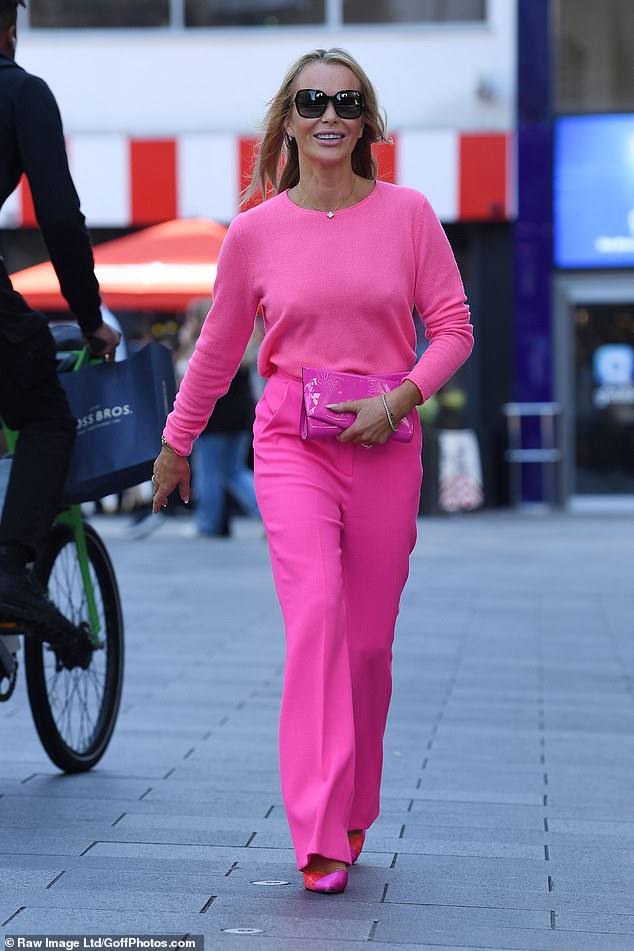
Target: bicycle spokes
75 683
8 671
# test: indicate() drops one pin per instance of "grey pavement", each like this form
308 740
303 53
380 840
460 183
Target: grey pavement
508 798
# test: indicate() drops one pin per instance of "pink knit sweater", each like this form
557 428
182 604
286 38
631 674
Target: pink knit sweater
335 293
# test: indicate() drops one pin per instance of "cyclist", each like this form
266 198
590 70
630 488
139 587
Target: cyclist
31 398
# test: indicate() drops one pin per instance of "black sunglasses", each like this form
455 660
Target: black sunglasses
312 103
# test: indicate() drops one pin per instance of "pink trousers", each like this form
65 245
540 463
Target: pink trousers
341 524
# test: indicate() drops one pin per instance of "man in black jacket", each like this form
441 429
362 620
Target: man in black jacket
31 398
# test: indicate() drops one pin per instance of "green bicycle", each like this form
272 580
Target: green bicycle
74 683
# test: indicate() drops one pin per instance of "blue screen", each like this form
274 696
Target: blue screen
594 191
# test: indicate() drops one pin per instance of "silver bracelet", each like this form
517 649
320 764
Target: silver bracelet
390 418
166 445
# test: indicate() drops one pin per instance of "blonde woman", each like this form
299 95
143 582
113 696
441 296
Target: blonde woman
337 260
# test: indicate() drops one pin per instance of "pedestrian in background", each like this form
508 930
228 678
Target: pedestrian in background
221 451
337 260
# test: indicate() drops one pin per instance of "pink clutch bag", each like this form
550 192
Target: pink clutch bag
321 387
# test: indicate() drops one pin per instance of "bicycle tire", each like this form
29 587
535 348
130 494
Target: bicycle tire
57 568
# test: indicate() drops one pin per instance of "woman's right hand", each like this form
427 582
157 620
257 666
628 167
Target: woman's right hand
170 470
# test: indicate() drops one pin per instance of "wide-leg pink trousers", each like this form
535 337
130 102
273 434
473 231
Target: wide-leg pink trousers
341 524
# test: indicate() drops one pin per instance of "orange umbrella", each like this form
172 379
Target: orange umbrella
161 268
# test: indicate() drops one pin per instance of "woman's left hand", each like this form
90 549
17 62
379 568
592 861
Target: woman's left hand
170 470
371 427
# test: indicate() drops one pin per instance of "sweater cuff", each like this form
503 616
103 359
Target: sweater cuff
182 445
90 322
417 384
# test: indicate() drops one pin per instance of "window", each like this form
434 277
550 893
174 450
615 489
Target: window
93 14
604 398
253 12
594 61
412 11
593 217
96 13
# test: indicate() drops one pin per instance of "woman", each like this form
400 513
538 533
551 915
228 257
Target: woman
220 457
337 261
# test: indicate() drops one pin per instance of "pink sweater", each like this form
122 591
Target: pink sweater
335 293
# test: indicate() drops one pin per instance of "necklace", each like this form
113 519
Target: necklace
331 213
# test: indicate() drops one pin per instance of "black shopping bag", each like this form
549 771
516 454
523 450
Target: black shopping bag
120 410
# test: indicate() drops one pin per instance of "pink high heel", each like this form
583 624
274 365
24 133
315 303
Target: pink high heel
356 841
330 884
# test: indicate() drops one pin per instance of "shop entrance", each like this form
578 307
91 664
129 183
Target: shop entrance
595 370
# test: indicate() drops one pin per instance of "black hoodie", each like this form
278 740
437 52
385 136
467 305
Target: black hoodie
32 142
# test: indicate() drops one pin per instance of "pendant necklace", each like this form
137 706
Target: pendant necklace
328 214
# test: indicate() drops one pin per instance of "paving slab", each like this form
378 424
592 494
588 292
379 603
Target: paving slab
567 920
617 830
141 879
477 881
572 898
113 899
510 939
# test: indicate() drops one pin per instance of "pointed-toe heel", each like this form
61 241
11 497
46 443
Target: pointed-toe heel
331 884
356 841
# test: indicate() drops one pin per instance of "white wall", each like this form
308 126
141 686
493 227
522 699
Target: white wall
173 82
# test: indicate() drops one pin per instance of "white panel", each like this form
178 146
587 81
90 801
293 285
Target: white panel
11 211
429 161
100 165
177 82
208 169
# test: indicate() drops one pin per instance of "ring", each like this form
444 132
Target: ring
368 445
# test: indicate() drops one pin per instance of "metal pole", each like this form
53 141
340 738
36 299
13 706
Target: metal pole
177 14
532 232
334 14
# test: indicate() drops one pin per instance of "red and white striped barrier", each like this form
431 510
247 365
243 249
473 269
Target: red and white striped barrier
125 181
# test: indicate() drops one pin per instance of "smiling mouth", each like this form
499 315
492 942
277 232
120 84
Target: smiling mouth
328 136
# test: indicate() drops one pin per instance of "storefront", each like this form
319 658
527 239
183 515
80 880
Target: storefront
594 306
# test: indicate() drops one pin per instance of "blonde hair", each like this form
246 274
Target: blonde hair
277 158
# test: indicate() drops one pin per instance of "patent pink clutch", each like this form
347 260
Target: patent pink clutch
322 387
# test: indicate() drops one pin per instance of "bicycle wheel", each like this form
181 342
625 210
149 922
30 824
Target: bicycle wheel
75 704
